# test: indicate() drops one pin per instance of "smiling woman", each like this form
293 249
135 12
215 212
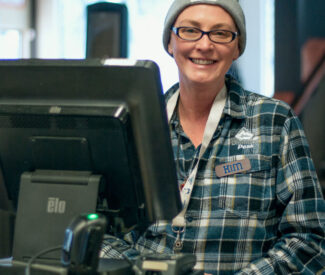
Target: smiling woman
245 175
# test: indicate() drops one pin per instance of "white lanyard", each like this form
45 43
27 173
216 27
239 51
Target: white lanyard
210 128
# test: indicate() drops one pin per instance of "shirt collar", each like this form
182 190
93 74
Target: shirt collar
235 103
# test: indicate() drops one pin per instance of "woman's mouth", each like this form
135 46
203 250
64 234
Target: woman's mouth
202 61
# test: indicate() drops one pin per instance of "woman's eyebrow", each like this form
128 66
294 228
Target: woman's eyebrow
222 26
188 22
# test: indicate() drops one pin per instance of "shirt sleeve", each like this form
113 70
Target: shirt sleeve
300 248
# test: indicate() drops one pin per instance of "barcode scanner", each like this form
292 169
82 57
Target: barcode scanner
82 241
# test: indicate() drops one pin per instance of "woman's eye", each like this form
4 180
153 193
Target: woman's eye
219 33
191 30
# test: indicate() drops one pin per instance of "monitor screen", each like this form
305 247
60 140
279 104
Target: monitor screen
104 117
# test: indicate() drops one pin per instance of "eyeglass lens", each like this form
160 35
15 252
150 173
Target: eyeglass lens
220 36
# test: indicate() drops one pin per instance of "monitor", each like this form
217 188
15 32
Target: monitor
103 117
107 30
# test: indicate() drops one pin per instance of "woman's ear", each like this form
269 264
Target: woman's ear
236 54
170 50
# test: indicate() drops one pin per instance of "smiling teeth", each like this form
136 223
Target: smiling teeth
202 61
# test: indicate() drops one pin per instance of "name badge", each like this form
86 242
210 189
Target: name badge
234 167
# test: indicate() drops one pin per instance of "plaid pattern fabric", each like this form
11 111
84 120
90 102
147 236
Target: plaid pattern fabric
268 220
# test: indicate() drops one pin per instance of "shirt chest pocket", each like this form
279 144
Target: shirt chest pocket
250 191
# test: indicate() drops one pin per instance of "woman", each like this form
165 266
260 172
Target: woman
252 201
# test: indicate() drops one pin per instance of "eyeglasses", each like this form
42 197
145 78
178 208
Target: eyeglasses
194 34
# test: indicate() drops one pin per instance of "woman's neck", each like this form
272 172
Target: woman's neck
195 102
194 108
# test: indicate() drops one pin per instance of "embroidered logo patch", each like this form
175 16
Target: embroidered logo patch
245 139
234 167
244 134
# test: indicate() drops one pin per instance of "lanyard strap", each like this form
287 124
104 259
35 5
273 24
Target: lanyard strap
211 126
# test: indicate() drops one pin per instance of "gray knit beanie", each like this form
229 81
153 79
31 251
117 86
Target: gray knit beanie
231 6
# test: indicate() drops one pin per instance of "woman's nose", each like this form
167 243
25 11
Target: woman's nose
204 42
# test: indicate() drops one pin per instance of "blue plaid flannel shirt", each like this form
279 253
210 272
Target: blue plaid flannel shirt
268 220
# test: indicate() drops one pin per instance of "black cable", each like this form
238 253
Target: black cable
32 259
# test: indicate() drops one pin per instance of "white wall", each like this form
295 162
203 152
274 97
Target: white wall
48 36
61 29
16 16
256 64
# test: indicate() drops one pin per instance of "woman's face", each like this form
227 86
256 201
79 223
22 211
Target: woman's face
203 61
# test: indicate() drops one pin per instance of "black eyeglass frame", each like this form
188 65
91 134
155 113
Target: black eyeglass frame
176 31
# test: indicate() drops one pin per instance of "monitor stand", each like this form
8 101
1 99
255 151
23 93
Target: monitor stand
48 201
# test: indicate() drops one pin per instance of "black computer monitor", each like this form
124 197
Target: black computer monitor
107 117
